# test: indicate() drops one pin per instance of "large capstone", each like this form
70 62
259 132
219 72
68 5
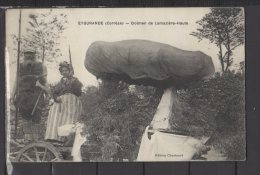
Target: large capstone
145 62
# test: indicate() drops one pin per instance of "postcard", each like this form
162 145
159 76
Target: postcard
125 84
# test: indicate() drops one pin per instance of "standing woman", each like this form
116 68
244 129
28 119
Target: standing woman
67 105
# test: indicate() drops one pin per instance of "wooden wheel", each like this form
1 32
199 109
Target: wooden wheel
39 152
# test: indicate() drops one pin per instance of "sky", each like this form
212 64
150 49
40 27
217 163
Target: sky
79 37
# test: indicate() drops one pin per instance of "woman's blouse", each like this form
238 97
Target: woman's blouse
67 85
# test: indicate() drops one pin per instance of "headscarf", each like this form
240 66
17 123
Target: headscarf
66 65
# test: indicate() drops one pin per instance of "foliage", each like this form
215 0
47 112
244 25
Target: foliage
117 121
116 117
43 33
216 108
225 28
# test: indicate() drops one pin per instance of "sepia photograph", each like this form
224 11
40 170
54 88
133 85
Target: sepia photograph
125 84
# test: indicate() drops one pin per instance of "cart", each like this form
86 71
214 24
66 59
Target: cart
41 151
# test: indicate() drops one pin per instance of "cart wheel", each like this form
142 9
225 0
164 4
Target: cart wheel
39 152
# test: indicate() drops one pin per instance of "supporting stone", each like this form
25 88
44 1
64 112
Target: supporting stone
164 110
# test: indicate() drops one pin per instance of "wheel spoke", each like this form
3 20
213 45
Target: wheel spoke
36 154
44 155
27 157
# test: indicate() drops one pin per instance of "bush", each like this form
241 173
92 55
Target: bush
216 108
116 121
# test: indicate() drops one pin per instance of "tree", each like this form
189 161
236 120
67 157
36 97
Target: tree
225 28
43 33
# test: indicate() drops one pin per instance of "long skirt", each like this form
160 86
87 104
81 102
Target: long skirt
66 112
